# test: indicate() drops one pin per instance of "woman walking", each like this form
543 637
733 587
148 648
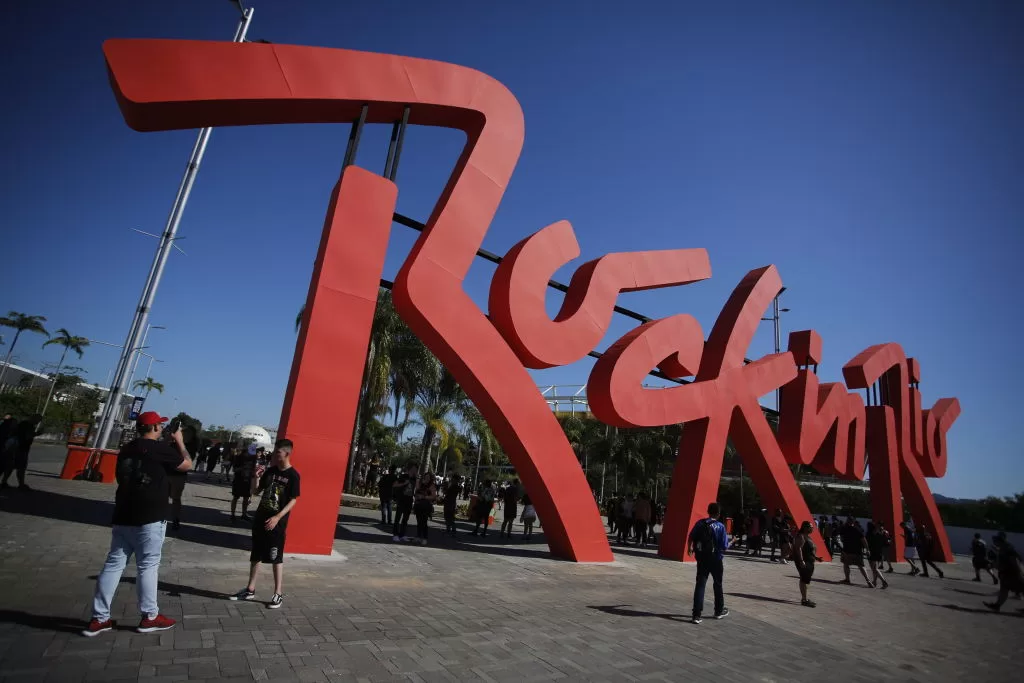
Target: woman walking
423 505
529 517
805 555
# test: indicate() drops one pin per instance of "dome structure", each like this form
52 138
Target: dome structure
259 435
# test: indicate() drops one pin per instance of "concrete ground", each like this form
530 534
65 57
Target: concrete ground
468 609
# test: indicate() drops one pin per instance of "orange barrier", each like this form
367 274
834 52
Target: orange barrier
81 458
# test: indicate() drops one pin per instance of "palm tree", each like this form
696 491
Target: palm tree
478 427
149 384
70 343
21 323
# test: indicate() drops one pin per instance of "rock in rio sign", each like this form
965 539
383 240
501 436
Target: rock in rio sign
174 84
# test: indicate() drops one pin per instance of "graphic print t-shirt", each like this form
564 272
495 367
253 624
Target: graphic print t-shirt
142 484
279 488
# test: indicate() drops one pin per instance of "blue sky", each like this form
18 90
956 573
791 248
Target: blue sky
873 151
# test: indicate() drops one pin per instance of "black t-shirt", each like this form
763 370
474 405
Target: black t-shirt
245 467
406 487
279 488
852 537
979 549
384 487
142 483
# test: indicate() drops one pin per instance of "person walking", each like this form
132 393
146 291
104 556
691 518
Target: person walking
405 490
423 504
910 547
979 558
386 494
451 502
511 508
775 528
878 545
1011 574
244 481
925 548
280 488
482 511
529 517
15 455
854 545
641 518
139 523
625 523
707 543
805 554
889 549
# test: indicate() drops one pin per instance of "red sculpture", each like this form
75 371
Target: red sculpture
164 85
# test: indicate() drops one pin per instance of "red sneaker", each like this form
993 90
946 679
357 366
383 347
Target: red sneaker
97 627
159 623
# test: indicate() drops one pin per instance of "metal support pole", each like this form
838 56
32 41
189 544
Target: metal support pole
117 388
778 345
395 149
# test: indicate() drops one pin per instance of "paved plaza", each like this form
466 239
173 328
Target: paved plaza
471 609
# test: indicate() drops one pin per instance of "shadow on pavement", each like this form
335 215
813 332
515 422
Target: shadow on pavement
42 622
176 590
979 610
618 611
637 552
350 528
98 513
762 598
987 594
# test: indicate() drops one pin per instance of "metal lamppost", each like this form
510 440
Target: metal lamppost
776 311
156 269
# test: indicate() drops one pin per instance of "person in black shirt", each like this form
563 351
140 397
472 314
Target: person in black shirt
925 547
511 499
280 488
245 469
386 495
404 492
979 552
1011 573
140 511
16 457
854 545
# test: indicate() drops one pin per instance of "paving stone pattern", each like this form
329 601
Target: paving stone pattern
464 610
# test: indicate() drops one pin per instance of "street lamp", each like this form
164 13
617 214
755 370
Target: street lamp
776 311
138 352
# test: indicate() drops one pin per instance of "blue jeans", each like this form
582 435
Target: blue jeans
714 569
385 507
146 543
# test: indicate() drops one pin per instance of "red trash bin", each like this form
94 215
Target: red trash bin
75 462
80 458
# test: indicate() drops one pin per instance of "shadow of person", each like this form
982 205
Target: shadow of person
176 590
762 598
62 507
357 529
618 611
979 610
43 622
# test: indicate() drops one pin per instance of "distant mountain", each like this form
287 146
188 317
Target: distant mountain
939 498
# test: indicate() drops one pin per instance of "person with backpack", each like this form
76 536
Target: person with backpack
979 552
708 543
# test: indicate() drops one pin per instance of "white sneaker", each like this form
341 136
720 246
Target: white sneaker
396 539
423 541
406 539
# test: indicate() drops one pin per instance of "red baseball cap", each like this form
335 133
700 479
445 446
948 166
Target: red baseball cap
151 418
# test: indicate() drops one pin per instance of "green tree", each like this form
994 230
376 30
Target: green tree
149 384
20 323
67 342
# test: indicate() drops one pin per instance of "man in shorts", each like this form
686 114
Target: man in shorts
280 488
854 545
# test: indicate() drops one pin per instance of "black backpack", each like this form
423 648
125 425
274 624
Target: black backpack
704 546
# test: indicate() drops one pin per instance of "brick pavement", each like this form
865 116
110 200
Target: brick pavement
455 611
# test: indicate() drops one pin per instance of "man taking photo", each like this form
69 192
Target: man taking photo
140 511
